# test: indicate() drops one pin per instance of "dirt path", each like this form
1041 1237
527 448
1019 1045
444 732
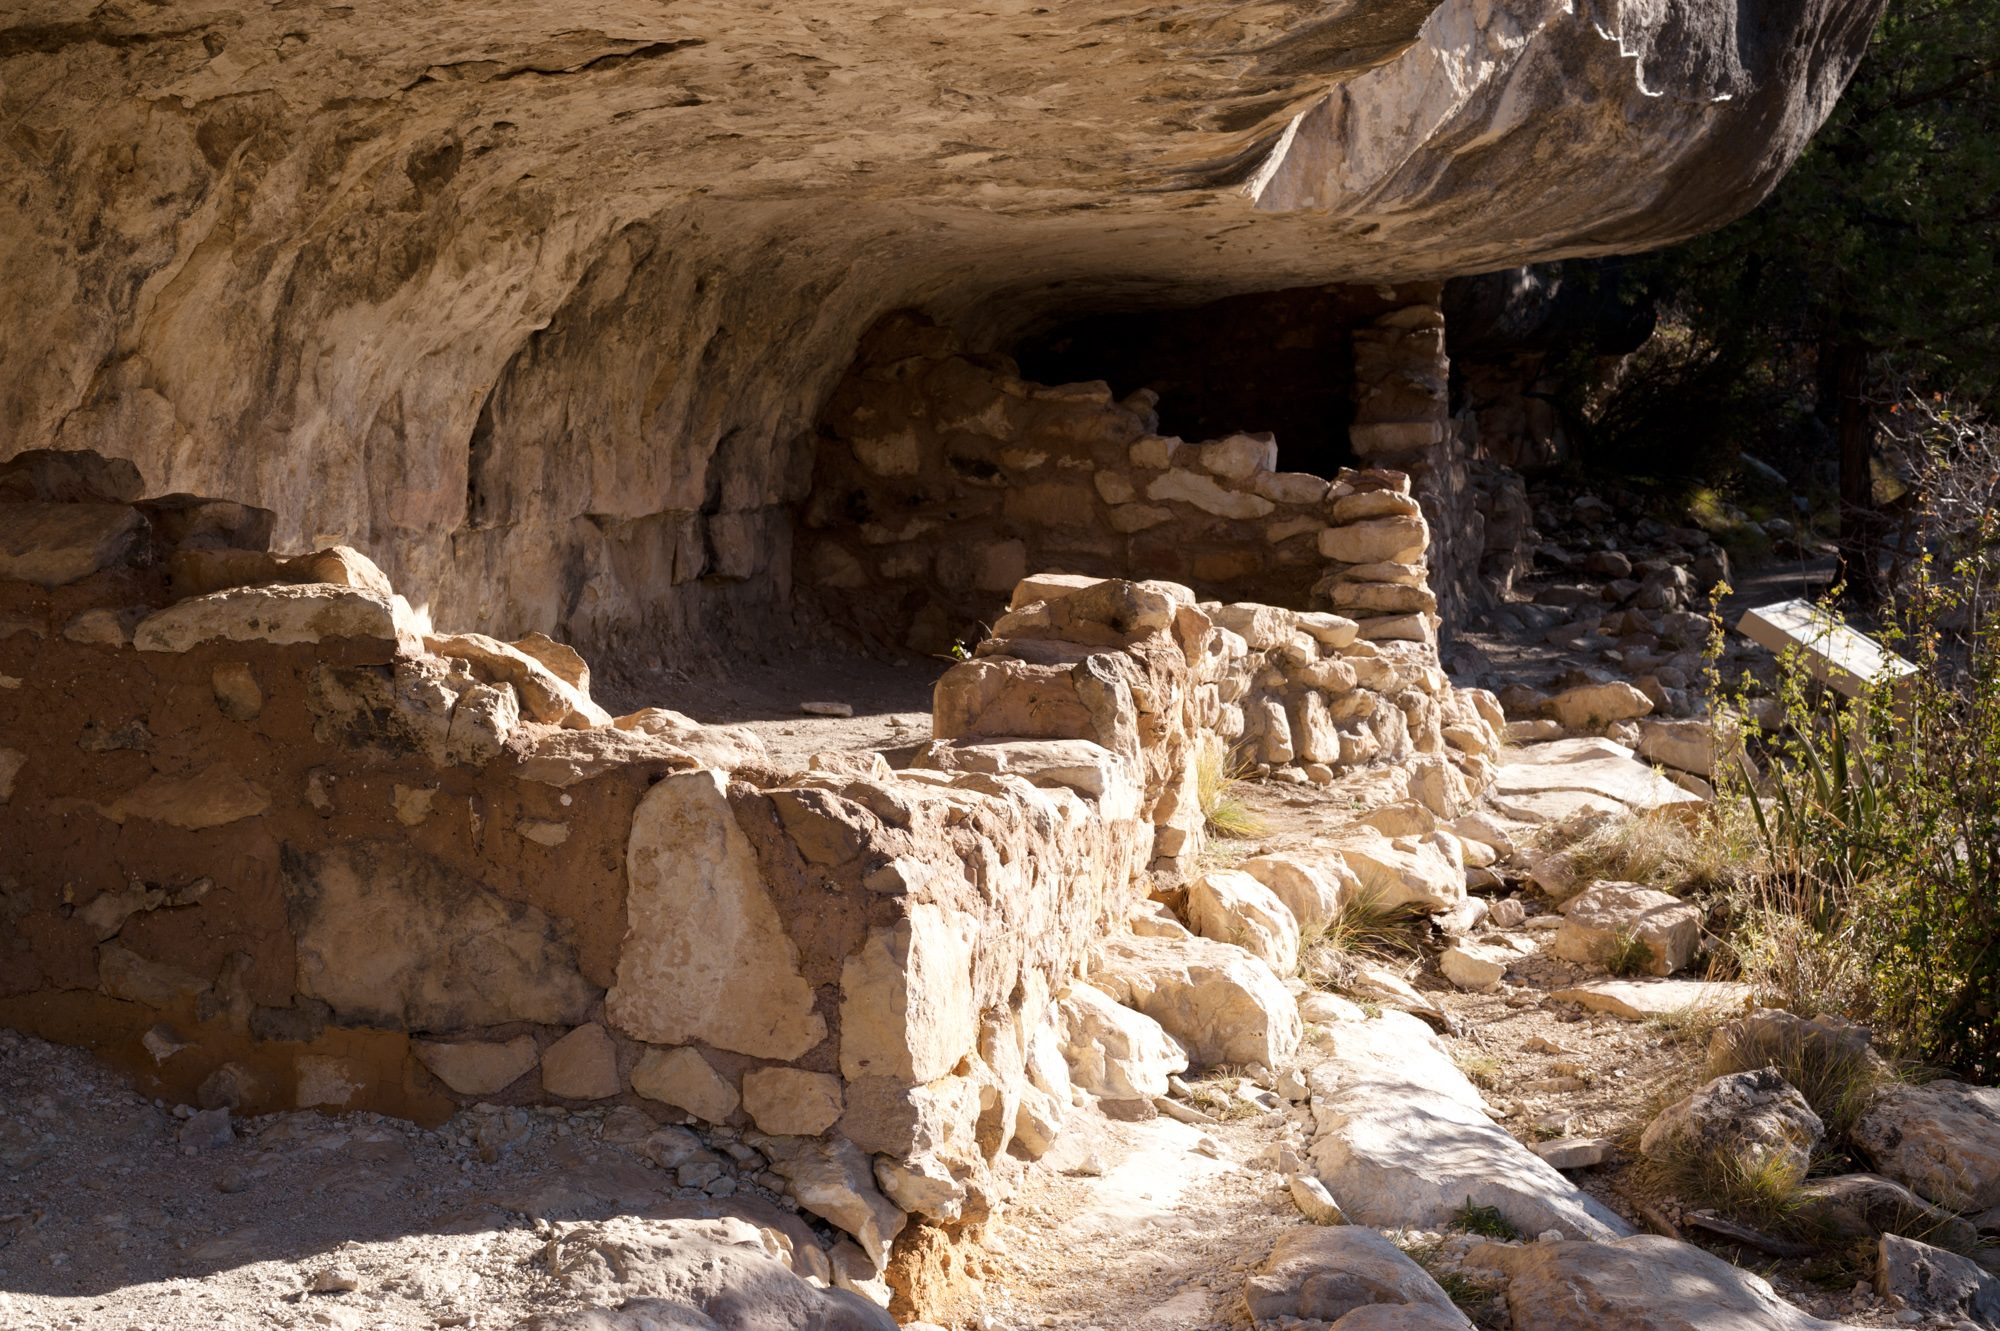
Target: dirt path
1159 1240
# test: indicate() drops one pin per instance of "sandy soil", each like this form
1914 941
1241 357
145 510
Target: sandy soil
109 1221
890 698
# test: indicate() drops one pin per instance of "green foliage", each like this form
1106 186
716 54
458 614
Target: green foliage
1869 277
1629 955
1479 1300
1878 891
1483 1220
1882 233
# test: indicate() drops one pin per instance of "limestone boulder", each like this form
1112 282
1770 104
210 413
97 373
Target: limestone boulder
582 1065
1608 916
1641 1283
1590 707
833 1178
1941 1139
1648 1000
1200 491
1688 746
700 1273
1230 906
1111 1050
1476 966
1086 767
63 476
389 936
1262 627
1943 1286
686 1080
1402 1139
727 748
1561 779
545 696
1312 888
1333 632
1388 540
52 545
216 797
906 1004
791 1102
422 705
1219 1003
1867 1206
477 1067
282 616
1323 1273
1423 871
1240 456
1756 1118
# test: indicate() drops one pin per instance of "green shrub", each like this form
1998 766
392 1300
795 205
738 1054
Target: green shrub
1877 890
1484 1220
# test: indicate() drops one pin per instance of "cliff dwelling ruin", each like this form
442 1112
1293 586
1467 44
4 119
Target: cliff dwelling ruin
445 449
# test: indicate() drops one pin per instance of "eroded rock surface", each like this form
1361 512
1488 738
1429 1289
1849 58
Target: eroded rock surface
1402 1139
1641 1283
511 260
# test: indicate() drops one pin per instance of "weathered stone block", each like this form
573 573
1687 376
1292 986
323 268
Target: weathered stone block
705 956
55 544
1398 540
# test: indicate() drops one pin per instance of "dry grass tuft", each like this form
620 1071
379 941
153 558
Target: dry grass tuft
1762 1192
1363 932
1668 849
1217 773
1481 1069
1838 1081
1790 963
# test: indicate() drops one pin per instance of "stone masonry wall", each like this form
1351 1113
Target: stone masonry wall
943 478
274 843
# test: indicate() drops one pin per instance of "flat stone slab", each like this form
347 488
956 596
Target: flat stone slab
1641 1000
1847 661
1641 1283
1402 1139
1549 782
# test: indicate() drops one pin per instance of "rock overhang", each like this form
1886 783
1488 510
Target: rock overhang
508 291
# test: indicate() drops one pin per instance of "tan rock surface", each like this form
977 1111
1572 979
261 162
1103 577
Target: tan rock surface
537 250
706 956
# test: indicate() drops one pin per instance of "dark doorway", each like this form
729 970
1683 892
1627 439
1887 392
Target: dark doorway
1281 361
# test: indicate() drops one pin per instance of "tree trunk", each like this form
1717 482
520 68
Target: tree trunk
1854 427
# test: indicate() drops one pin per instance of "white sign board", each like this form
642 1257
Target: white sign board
1846 661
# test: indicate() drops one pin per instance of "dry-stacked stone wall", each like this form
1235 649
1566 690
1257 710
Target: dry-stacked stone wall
275 842
944 478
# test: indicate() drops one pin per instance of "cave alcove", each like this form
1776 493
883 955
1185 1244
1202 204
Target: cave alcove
1277 361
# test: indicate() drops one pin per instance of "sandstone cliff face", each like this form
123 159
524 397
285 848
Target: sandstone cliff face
537 302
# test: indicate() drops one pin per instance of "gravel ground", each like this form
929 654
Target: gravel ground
119 1213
